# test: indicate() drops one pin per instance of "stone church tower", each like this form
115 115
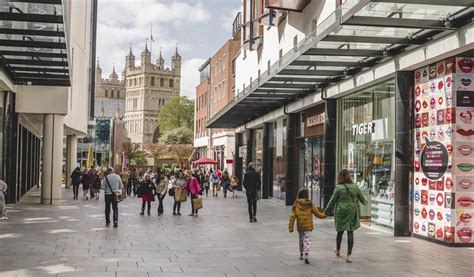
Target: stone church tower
148 87
109 99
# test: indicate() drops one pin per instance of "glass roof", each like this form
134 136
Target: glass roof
402 10
32 42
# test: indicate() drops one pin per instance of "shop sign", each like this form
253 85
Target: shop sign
242 151
314 120
434 160
363 128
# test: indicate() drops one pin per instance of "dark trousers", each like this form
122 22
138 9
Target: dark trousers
143 206
252 203
129 189
160 204
110 199
350 241
75 190
226 188
176 206
193 211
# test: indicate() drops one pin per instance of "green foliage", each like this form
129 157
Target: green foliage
182 135
177 112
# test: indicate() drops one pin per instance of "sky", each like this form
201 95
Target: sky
198 27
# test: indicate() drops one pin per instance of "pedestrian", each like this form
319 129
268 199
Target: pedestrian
302 211
124 176
76 177
161 188
214 179
112 186
134 178
179 187
234 183
194 190
206 183
252 184
345 203
225 183
3 191
92 177
86 184
97 185
147 193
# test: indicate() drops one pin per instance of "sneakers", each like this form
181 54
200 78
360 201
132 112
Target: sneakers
349 259
4 218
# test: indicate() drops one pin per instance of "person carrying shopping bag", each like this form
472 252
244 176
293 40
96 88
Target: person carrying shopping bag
194 190
180 193
302 211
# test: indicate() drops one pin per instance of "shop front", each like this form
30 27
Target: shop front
366 138
443 139
311 158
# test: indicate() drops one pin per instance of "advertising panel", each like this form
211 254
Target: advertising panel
444 151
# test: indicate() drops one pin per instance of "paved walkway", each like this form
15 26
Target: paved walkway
71 240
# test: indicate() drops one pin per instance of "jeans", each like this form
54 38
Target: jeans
160 203
350 241
2 204
193 211
227 188
75 190
252 203
110 199
143 206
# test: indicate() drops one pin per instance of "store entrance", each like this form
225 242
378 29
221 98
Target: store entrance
310 173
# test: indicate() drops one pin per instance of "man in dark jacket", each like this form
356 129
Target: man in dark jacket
252 184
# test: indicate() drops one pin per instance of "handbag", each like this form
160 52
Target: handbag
171 192
117 197
197 202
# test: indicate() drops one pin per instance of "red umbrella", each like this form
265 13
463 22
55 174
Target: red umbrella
204 161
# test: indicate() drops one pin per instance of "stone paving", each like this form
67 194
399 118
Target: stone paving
71 240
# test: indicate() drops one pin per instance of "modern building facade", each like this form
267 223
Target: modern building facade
45 85
109 95
216 90
148 87
381 88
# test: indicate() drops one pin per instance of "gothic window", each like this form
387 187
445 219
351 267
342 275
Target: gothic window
112 94
106 93
135 81
118 93
146 126
171 83
162 82
152 81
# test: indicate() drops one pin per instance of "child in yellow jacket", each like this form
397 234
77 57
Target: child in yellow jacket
303 210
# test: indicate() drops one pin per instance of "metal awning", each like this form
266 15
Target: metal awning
359 35
33 48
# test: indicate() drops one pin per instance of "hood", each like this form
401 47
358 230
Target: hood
304 204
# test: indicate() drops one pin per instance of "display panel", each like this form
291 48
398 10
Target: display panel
444 151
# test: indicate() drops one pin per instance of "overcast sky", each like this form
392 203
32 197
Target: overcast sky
199 27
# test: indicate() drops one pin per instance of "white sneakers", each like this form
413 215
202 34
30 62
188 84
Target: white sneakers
4 218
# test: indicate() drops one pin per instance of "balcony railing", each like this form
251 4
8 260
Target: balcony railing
237 24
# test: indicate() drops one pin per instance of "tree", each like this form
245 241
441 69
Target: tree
181 135
177 112
182 151
133 153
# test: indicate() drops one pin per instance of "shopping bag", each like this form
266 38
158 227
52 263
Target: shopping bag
181 195
197 202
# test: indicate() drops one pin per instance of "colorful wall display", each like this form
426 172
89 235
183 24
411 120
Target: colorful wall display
443 176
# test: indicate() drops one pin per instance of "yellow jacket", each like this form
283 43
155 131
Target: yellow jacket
302 211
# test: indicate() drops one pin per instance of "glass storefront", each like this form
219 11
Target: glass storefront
279 157
257 154
2 132
366 136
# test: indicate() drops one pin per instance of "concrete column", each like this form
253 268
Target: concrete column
53 131
404 85
266 174
330 130
238 163
71 157
291 182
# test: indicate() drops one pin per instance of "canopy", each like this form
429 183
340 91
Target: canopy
204 161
